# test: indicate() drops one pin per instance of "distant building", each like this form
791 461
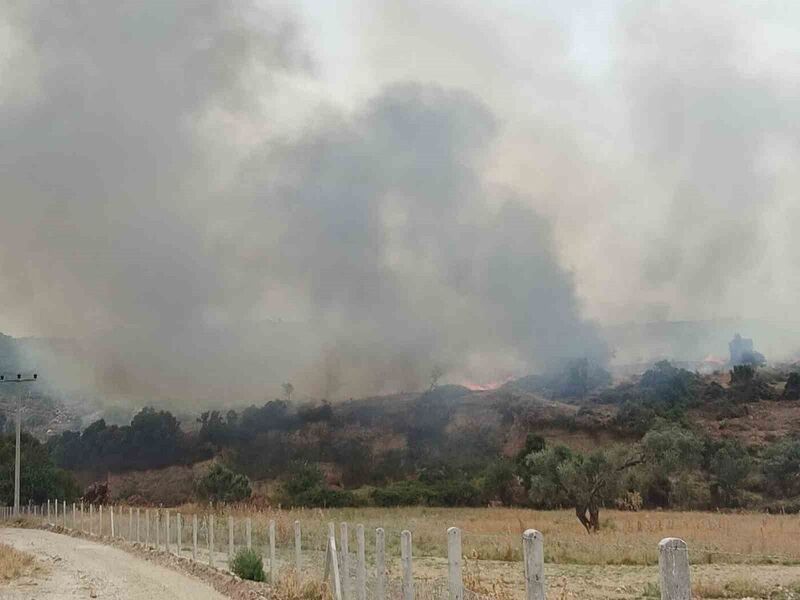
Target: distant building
743 352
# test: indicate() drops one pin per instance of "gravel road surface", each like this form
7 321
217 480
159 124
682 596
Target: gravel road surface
77 568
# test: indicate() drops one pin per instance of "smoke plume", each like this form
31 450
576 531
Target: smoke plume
190 251
205 199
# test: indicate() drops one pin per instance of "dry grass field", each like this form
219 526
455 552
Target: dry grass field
733 555
626 539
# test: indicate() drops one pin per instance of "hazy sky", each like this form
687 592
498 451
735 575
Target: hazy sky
347 193
616 82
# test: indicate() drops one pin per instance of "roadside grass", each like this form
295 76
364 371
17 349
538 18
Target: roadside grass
15 564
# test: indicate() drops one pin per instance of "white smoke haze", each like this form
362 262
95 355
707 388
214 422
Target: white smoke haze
209 198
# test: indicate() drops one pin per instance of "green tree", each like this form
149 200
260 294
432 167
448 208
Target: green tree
729 466
221 484
561 477
672 448
670 454
39 477
500 481
781 468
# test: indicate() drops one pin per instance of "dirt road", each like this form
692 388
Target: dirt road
76 568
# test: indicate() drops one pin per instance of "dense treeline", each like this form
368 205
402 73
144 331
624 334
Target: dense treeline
154 439
40 479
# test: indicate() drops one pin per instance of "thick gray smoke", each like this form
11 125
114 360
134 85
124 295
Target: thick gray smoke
187 206
386 229
350 258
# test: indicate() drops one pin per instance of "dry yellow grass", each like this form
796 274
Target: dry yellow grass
618 563
627 538
292 587
15 564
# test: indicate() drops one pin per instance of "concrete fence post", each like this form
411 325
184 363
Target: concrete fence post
158 528
272 568
91 519
74 518
298 547
64 514
533 563
48 510
194 537
111 516
380 564
454 577
231 551
130 523
407 565
673 565
332 563
248 532
83 521
361 565
178 531
147 526
55 515
210 540
138 525
344 543
166 532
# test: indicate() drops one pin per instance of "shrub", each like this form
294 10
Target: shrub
221 484
729 466
306 487
499 482
247 564
792 389
781 468
403 493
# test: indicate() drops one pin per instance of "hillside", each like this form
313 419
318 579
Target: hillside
456 446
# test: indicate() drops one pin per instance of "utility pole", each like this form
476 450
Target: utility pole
17 454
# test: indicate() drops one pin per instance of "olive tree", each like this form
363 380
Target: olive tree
561 477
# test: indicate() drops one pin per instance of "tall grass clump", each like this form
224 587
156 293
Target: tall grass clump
14 564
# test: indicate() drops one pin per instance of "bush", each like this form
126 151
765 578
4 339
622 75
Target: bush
792 389
500 482
221 484
324 497
247 564
403 493
306 487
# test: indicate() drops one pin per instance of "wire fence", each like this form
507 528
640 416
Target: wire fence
355 563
